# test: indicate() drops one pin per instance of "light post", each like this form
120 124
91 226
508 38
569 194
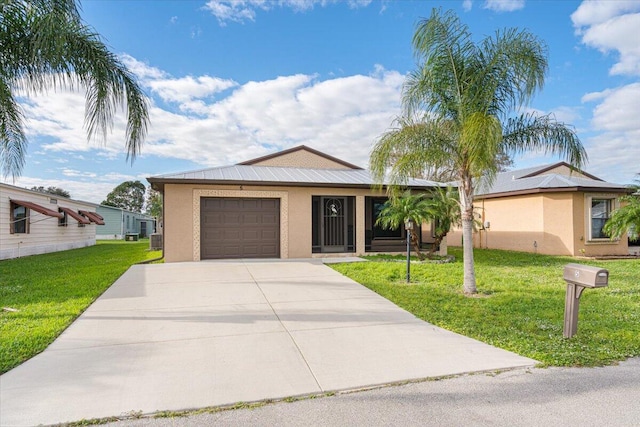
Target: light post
408 225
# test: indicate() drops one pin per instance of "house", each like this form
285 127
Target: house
552 209
119 222
297 203
35 223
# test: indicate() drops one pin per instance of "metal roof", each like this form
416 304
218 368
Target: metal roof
521 181
271 175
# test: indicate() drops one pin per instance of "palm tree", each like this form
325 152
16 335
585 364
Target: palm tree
399 209
458 112
443 210
45 44
626 220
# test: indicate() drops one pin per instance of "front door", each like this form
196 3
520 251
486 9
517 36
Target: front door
334 224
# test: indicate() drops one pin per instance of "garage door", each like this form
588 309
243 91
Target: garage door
239 228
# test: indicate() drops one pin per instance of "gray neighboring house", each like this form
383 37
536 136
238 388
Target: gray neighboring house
120 222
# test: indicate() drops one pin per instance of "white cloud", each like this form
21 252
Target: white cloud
245 10
504 5
173 19
611 26
467 5
187 88
342 116
597 12
619 110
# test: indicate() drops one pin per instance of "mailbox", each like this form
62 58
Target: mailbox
585 275
578 278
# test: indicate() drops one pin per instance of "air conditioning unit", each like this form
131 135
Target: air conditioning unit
155 242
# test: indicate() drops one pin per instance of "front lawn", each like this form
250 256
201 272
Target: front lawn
51 290
520 305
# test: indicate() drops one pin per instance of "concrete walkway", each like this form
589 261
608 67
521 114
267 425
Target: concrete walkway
188 335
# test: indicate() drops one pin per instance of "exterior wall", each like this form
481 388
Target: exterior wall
45 235
302 159
547 223
597 247
182 216
118 222
112 228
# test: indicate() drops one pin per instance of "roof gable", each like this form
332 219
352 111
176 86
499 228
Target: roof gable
300 157
546 178
560 168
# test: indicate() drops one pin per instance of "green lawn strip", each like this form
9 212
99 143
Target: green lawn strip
51 290
520 306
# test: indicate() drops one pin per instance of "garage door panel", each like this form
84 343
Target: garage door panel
239 228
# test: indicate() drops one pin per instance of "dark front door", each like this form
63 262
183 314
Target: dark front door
239 228
143 228
334 224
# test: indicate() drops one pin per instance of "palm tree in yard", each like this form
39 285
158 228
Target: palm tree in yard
399 209
44 44
443 210
462 110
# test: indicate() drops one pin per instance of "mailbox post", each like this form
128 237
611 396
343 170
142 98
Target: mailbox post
579 277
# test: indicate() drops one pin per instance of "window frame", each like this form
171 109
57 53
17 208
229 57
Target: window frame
612 202
13 221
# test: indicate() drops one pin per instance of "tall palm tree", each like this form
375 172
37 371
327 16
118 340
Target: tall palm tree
462 109
399 209
44 44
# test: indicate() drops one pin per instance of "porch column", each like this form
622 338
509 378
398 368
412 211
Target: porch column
360 222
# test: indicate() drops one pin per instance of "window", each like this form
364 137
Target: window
19 219
62 222
600 214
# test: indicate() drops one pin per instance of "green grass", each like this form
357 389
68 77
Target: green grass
520 305
51 290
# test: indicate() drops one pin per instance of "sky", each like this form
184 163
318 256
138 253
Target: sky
230 81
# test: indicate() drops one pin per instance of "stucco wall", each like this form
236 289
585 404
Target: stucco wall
547 223
181 225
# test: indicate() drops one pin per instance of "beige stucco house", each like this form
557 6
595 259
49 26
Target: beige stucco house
552 209
297 203
35 223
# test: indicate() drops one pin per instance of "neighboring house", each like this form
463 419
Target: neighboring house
551 209
119 222
35 223
297 203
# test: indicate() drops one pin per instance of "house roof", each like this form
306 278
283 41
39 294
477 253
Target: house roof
289 176
286 170
540 179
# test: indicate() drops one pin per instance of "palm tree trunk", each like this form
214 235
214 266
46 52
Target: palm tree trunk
416 245
466 206
436 243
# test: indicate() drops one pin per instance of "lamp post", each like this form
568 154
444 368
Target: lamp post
408 225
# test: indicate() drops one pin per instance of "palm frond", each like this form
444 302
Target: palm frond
530 132
13 143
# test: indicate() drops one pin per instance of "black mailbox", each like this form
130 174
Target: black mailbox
585 275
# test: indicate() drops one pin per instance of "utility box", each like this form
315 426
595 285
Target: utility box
131 237
155 241
579 277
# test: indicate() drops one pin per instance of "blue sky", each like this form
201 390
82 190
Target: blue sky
230 81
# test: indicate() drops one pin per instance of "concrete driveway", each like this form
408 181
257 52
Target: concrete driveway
189 335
